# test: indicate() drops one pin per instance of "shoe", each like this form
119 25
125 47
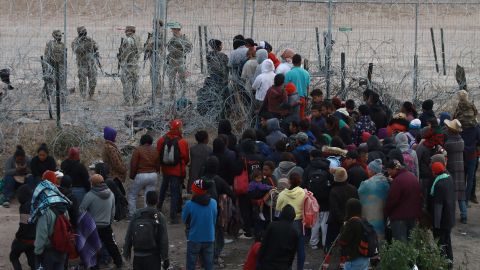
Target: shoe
245 236
227 241
314 247
6 204
474 200
261 216
463 220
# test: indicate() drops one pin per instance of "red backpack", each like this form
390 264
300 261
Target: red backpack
310 210
63 238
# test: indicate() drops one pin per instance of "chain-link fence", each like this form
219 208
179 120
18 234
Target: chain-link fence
386 35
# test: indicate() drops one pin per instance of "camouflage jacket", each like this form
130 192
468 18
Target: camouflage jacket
130 50
85 48
178 47
149 46
466 113
54 53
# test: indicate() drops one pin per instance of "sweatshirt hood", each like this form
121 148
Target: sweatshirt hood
261 55
373 144
286 166
273 124
267 66
288 213
353 208
201 199
293 194
320 163
401 140
102 191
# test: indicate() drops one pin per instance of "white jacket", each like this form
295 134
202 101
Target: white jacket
265 80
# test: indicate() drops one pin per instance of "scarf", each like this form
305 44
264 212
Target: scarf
438 178
45 195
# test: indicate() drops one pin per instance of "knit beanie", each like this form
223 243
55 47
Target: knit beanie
365 136
302 137
74 153
376 166
382 133
438 158
50 176
415 124
96 179
290 88
438 168
109 134
444 116
340 175
199 187
427 105
176 124
283 184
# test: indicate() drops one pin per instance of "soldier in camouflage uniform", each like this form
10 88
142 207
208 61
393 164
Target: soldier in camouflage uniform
53 58
130 51
178 47
86 50
156 61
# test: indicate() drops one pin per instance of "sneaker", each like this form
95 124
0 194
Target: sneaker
6 204
261 216
463 220
245 236
314 247
227 241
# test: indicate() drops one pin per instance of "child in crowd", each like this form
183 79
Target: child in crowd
317 97
257 191
267 170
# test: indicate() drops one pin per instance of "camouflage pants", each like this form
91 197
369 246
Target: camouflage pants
176 68
129 78
51 86
87 73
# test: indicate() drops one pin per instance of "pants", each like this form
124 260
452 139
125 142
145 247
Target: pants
320 226
52 260
51 85
297 224
360 263
147 262
175 189
16 251
219 241
303 106
470 166
79 193
445 242
332 232
11 185
145 181
176 67
106 235
202 249
462 205
246 212
87 72
129 78
401 229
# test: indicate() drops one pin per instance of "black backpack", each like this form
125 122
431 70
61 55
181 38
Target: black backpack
145 232
319 183
170 152
368 246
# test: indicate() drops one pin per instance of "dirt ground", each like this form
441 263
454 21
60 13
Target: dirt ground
465 240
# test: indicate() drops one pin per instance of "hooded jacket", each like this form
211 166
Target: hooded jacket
404 199
293 197
100 203
375 149
425 116
401 141
321 168
274 133
261 55
339 195
351 234
200 216
180 169
373 194
78 172
285 169
275 100
466 112
265 80
279 243
443 204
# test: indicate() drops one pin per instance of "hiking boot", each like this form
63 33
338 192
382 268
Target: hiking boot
6 204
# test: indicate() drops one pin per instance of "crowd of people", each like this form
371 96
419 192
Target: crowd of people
351 165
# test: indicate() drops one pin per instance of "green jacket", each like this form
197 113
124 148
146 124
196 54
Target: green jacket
45 226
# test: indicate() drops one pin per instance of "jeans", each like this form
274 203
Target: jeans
106 235
52 260
16 251
297 224
145 181
203 249
78 193
174 182
360 263
320 225
147 262
462 205
11 185
470 166
445 241
401 229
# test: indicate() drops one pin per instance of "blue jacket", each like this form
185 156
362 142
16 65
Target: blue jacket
200 215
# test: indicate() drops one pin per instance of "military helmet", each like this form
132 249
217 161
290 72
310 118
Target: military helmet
130 28
81 29
57 34
175 25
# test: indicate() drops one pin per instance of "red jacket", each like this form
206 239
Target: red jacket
275 97
179 169
252 256
274 59
404 199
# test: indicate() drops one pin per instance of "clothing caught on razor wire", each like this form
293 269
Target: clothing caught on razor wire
130 51
178 47
54 60
86 51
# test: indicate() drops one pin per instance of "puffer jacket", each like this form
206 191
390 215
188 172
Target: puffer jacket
180 169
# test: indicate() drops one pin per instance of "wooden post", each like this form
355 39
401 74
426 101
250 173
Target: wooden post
434 50
342 68
206 44
201 48
317 34
443 53
369 76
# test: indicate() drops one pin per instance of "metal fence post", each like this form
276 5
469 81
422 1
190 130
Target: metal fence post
415 57
252 26
329 48
244 17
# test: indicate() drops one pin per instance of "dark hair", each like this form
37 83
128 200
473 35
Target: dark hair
367 93
279 79
316 93
327 104
19 152
316 153
265 115
375 97
146 139
43 147
238 37
297 60
201 136
410 108
304 124
288 157
350 104
337 142
316 107
332 121
151 198
66 181
427 104
218 146
269 164
433 122
211 165
255 173
249 134
280 146
363 110
295 180
102 169
294 123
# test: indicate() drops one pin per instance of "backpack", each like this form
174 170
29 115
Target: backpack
368 246
409 162
319 183
63 238
145 232
310 210
170 152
